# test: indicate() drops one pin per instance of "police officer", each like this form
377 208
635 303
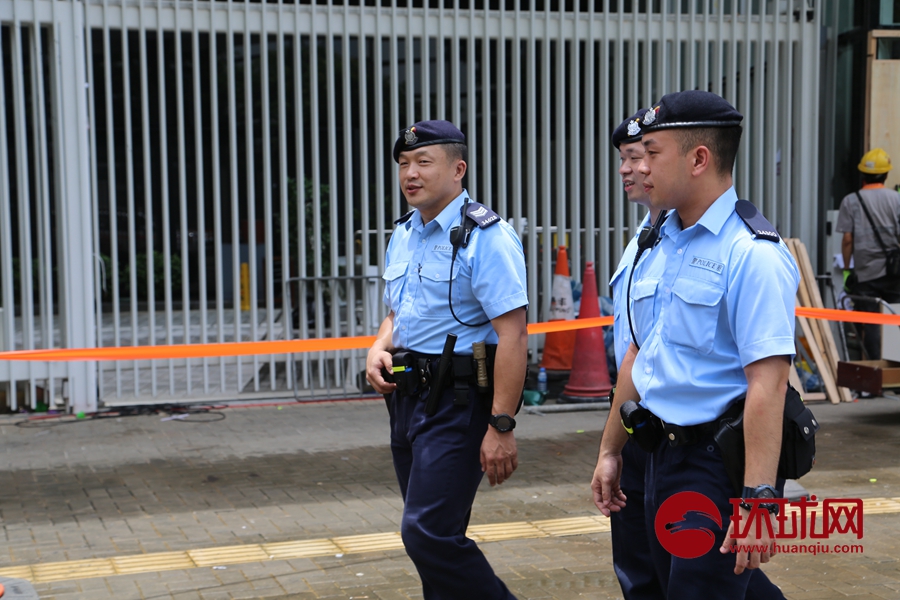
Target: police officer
453 266
631 550
713 314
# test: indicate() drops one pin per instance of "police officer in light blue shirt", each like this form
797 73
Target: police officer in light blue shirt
453 267
631 550
713 313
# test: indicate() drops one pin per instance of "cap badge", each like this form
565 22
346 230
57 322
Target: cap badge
634 128
410 136
650 117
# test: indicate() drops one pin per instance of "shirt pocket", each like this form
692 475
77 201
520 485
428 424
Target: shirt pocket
643 302
393 283
694 314
435 285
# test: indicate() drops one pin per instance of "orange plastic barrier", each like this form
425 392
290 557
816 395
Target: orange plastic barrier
350 343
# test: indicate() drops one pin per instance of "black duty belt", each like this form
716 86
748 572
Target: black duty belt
683 435
415 371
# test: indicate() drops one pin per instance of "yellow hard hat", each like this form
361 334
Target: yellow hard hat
875 162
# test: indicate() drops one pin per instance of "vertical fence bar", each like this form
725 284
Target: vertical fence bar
129 199
182 195
591 198
283 192
199 175
97 261
269 274
148 192
217 197
316 195
7 339
111 192
251 185
234 192
164 193
331 112
45 250
348 161
301 187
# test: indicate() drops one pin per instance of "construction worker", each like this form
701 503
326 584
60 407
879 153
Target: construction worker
870 221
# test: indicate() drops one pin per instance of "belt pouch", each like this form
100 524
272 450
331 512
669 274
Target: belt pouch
730 439
642 425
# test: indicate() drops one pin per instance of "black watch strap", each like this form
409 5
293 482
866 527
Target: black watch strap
502 422
762 491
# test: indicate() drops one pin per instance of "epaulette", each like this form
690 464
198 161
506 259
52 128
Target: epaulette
404 218
481 214
755 221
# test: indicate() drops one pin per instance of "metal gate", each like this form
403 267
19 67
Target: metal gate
193 172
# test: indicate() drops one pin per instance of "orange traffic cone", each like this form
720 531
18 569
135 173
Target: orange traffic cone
589 381
560 345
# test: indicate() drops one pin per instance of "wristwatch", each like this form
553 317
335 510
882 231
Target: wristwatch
765 492
503 422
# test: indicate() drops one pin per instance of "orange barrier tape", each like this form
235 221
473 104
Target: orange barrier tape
247 348
848 316
350 343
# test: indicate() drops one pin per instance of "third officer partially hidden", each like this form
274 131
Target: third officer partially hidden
455 285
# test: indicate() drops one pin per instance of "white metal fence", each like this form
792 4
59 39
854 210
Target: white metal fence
187 172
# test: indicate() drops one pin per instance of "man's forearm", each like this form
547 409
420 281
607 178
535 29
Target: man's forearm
847 249
509 373
763 415
510 361
614 434
385 333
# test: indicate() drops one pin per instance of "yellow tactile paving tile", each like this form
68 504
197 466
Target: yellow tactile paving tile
249 553
17 573
874 506
369 543
228 555
73 569
573 526
498 532
160 561
303 549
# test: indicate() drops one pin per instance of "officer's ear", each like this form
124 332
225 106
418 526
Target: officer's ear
701 160
461 167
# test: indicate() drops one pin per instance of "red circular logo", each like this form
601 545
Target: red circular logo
684 524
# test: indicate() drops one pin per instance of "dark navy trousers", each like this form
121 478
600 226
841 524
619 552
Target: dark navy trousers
631 548
698 468
438 465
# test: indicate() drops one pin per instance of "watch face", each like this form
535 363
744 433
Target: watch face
766 493
503 423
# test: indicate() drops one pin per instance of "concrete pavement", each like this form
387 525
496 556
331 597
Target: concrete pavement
88 506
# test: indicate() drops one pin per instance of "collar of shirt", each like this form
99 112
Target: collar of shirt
712 220
872 186
446 217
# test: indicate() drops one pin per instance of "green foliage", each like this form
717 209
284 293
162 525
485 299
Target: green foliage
159 274
312 236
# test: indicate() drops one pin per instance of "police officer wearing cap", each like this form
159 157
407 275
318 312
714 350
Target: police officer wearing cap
453 267
712 308
631 550
870 221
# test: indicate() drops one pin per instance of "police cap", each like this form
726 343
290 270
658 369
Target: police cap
629 131
427 133
691 108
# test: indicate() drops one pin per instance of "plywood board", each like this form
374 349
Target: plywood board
884 118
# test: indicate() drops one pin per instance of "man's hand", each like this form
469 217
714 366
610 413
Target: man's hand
379 358
375 361
762 548
608 496
499 456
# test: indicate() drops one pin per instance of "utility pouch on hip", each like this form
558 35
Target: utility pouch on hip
798 437
642 425
798 442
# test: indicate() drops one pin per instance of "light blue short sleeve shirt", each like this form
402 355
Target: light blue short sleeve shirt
488 281
706 302
619 285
